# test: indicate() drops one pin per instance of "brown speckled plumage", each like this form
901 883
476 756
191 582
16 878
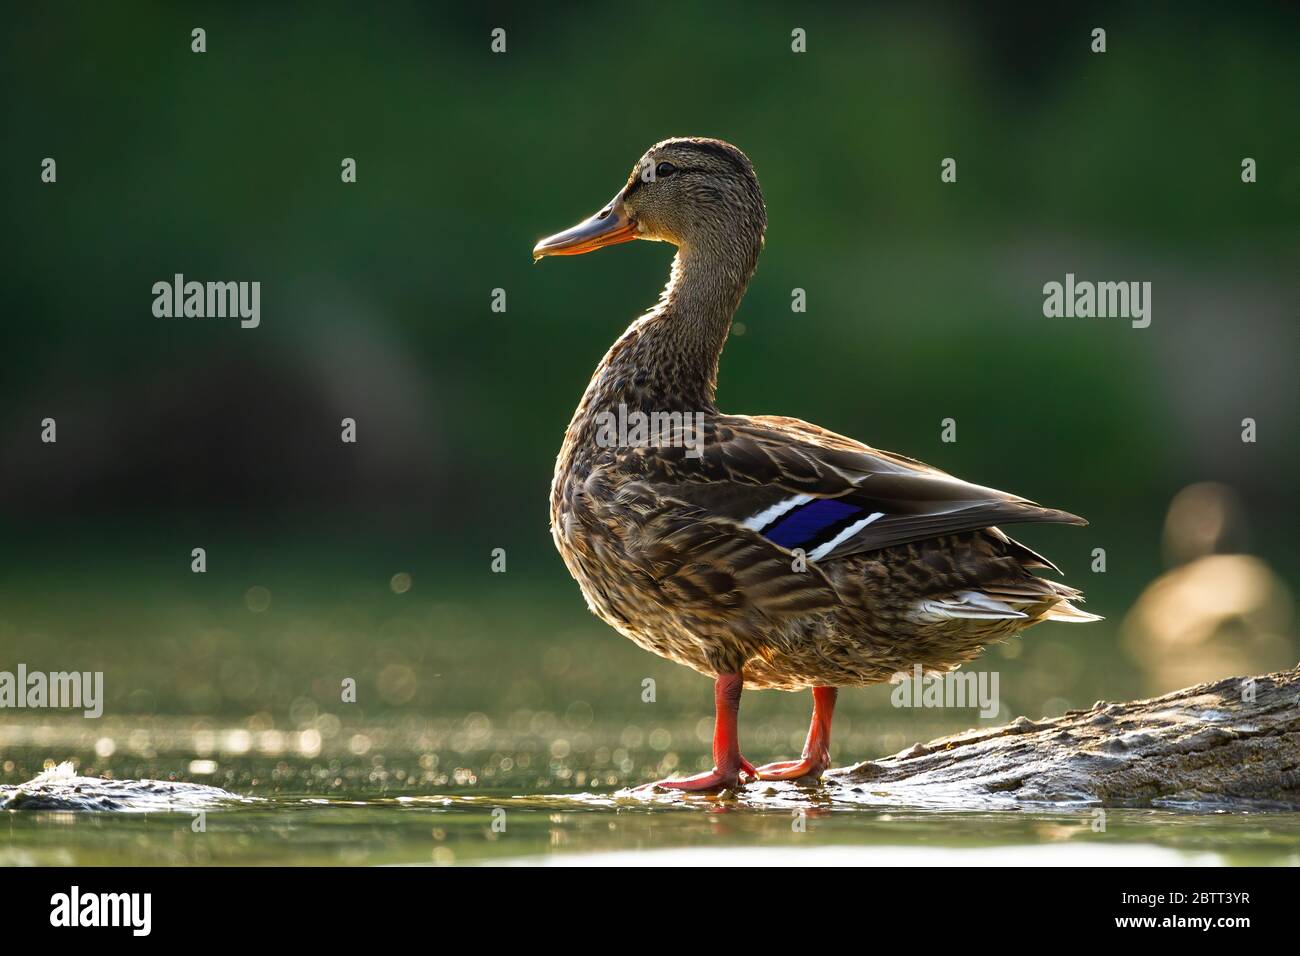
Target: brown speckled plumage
657 539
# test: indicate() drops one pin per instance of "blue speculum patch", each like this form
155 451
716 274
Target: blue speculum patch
807 522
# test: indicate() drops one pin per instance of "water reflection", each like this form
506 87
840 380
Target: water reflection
602 829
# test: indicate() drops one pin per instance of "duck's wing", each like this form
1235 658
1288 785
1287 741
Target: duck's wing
702 564
803 487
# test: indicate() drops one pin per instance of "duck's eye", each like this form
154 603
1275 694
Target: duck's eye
664 170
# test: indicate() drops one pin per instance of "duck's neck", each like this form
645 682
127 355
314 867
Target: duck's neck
668 359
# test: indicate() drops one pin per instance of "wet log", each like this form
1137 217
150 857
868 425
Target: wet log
1230 744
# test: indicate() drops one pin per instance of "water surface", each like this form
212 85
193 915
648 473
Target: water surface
295 810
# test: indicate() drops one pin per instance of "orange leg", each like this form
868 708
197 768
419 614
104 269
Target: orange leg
728 764
817 749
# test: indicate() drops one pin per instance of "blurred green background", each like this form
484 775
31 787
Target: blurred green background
924 302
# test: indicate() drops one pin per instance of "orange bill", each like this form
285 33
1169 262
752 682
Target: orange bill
609 226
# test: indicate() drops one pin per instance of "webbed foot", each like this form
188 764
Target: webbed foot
715 779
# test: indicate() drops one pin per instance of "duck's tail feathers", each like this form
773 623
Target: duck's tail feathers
1065 611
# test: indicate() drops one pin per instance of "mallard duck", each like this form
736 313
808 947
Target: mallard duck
763 551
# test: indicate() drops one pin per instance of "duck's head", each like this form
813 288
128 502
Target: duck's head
694 192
